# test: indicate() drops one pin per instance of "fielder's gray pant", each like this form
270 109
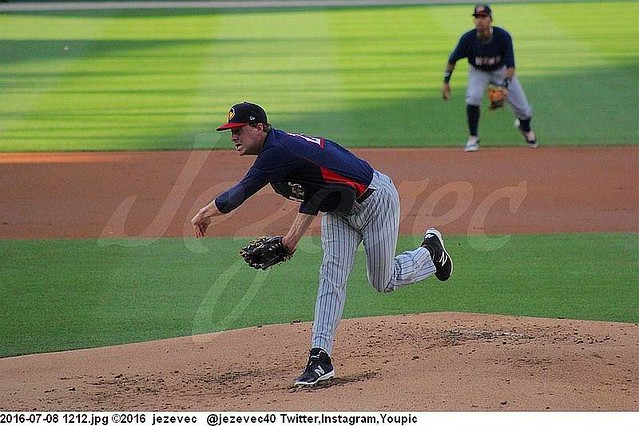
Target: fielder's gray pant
375 222
478 80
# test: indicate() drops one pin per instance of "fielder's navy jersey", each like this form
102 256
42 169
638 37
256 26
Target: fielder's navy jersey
487 55
317 172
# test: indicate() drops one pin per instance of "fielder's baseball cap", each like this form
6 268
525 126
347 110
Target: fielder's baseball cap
482 10
242 114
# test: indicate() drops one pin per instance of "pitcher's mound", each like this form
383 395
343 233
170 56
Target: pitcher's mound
442 362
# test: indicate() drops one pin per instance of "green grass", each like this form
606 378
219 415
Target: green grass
362 76
63 294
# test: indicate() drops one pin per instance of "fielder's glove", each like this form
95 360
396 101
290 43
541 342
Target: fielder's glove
496 95
264 252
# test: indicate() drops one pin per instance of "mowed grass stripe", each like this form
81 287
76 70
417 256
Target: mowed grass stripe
114 80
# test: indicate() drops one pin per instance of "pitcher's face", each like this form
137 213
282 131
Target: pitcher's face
248 140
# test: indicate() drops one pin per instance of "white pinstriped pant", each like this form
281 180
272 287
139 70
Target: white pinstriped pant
375 222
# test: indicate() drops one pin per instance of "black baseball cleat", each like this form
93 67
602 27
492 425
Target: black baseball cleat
319 368
531 139
434 243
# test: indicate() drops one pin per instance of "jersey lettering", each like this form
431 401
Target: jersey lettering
487 60
297 191
316 141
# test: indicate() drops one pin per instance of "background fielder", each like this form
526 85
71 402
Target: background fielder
491 57
359 205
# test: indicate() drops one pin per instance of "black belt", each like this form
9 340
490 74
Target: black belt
365 195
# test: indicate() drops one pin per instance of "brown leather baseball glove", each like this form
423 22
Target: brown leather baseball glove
496 95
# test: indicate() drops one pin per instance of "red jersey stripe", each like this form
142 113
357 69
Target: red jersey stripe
332 177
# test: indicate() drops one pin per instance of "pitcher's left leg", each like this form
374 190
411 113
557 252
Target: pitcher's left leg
339 242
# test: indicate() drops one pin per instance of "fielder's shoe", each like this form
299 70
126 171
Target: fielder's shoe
434 243
319 368
531 139
472 144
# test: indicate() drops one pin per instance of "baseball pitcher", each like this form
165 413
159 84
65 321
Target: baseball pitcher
358 204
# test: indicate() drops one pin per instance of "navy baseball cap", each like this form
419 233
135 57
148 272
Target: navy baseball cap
242 114
482 10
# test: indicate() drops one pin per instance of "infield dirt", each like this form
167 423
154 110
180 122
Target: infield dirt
449 361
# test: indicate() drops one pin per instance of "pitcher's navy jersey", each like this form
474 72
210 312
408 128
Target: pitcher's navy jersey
487 55
318 172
